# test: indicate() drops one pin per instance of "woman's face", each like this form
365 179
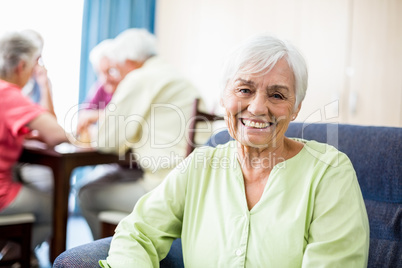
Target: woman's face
109 75
25 71
260 107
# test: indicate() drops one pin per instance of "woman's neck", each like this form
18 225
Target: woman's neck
262 157
257 164
11 80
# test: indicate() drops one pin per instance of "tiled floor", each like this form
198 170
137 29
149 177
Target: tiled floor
78 233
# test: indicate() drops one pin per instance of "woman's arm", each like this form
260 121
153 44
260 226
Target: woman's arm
339 231
144 237
48 129
46 99
86 118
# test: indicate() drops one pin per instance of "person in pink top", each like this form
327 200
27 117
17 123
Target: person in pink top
102 91
19 116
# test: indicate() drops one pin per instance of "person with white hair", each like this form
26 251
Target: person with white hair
39 88
18 117
101 92
262 199
146 116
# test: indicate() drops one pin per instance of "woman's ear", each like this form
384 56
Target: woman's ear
21 66
295 113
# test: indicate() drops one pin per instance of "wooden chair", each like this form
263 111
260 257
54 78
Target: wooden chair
110 219
198 117
17 228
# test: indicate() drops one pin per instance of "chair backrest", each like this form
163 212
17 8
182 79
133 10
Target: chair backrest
376 154
197 117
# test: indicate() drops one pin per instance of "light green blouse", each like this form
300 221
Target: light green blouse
311 214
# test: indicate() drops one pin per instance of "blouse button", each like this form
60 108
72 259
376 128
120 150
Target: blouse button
238 252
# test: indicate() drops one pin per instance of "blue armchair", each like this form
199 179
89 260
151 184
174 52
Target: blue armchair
376 153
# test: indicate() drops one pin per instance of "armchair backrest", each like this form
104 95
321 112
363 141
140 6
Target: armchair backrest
376 154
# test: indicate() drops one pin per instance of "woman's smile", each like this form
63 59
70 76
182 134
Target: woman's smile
255 124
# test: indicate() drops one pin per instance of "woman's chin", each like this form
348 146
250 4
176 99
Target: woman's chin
253 142
257 139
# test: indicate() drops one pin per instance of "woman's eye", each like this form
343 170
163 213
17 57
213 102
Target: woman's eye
244 90
277 96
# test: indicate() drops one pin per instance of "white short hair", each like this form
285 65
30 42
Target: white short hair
259 54
101 50
14 47
134 44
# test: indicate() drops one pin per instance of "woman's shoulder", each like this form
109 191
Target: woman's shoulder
322 152
6 88
11 96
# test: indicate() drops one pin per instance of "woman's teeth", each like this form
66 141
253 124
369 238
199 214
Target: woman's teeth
250 123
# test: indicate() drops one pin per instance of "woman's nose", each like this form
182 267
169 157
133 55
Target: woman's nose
258 105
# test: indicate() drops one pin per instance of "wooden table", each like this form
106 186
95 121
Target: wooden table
63 159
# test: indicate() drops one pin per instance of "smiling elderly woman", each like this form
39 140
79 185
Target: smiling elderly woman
262 200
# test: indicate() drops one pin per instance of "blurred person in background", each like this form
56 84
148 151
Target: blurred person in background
98 97
101 92
147 116
39 87
19 116
39 90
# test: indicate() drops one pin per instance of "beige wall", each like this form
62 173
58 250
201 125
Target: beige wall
353 49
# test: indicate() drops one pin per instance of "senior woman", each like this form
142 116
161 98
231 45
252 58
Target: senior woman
262 200
18 117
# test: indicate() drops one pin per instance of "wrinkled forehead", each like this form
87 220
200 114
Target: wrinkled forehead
277 72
